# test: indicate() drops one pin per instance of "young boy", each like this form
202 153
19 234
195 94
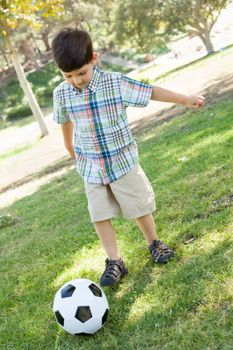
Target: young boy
91 105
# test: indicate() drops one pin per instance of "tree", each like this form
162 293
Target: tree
148 24
13 14
140 24
104 35
195 17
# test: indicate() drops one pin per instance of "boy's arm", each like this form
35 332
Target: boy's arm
67 131
163 95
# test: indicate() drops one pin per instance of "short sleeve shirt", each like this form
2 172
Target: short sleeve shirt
104 145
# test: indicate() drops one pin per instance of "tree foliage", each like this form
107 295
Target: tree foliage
14 14
196 17
140 23
149 23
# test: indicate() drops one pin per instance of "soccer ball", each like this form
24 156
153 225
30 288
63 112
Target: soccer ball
80 307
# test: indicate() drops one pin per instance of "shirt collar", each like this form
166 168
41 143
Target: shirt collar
95 79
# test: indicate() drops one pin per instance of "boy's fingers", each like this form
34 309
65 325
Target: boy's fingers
201 101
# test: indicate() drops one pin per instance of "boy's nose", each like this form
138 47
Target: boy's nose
77 81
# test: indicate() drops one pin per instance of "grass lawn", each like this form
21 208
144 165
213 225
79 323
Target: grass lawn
186 304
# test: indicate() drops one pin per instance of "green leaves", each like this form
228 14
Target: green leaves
140 25
149 24
14 12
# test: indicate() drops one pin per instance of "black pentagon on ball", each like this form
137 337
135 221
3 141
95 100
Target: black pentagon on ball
95 290
67 291
83 314
59 318
105 316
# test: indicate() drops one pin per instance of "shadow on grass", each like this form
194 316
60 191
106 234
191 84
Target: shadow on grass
217 91
191 170
152 309
54 225
184 303
168 306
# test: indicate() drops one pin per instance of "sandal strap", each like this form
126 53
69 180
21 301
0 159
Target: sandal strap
113 268
159 250
114 271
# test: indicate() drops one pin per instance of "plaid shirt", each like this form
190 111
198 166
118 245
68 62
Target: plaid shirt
104 146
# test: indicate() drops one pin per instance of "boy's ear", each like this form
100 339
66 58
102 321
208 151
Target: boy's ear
95 58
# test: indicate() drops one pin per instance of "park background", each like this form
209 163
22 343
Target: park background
45 234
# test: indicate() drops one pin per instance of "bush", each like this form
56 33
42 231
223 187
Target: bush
18 112
114 68
45 95
12 99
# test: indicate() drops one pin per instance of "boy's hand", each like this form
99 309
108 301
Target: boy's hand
194 101
163 95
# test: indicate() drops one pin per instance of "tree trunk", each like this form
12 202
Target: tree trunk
205 37
45 39
26 48
35 108
5 57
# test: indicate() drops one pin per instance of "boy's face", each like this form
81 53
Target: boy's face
80 78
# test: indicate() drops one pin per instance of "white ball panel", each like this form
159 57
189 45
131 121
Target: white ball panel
67 307
72 325
99 308
91 326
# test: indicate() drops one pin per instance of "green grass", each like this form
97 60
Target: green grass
186 304
15 151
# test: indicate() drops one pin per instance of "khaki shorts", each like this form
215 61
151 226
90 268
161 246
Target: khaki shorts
132 195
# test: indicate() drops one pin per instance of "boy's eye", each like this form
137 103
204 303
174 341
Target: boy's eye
83 73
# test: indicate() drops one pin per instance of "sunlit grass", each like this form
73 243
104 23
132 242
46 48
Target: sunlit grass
186 304
14 152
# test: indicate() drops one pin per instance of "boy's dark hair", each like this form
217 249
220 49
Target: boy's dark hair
72 49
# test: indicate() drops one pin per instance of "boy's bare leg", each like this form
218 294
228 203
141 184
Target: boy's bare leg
106 234
147 226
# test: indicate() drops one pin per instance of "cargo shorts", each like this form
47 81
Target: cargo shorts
132 196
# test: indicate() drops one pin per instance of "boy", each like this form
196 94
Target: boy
91 105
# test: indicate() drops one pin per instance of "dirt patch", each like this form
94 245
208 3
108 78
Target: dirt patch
64 163
32 184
